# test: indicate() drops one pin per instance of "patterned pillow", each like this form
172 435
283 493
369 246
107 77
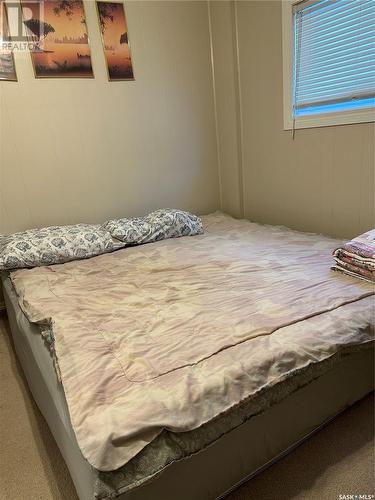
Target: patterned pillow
53 245
158 225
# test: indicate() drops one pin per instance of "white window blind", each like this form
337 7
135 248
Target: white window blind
334 56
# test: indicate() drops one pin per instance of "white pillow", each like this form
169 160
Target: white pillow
53 245
158 225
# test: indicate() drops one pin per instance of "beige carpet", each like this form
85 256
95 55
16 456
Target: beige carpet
339 460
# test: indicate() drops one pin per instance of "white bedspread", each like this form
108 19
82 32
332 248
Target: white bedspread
171 334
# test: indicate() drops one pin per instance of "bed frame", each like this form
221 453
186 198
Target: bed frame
229 461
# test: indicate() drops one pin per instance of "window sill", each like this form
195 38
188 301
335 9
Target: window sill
331 119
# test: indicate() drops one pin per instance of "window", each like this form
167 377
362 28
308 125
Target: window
329 62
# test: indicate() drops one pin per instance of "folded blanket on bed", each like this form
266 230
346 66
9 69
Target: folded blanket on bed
357 257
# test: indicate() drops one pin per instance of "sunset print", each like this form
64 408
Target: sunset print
114 31
58 31
7 67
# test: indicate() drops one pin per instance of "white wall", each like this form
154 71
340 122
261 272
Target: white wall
86 150
323 181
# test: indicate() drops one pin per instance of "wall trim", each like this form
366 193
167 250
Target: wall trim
218 150
239 112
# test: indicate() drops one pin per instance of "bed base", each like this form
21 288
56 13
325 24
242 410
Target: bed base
235 457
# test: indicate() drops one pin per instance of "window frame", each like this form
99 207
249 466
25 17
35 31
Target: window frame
366 115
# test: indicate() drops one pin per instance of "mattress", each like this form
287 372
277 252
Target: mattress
290 344
264 432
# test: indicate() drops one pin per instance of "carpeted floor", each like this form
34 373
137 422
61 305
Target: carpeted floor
339 460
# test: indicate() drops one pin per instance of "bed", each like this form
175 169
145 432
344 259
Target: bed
207 383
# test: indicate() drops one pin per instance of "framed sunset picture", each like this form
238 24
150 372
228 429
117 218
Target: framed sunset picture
115 37
7 67
59 40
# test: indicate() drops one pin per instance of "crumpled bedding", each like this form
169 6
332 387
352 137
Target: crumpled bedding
171 334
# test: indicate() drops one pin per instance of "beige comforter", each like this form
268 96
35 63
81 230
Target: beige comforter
171 334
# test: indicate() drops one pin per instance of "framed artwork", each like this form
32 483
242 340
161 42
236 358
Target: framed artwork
7 66
60 43
114 30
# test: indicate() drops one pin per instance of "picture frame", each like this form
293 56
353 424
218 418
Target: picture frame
115 40
58 32
8 71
